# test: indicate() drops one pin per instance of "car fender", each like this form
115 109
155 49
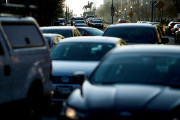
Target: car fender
75 99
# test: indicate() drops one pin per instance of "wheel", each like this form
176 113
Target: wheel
33 106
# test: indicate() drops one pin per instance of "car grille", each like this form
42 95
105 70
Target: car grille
64 80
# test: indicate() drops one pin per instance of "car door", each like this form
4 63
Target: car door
5 74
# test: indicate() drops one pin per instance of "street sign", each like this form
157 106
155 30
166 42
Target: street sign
159 4
131 14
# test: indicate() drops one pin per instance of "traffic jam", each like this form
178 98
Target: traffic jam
90 59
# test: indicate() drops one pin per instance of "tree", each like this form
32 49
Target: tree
47 10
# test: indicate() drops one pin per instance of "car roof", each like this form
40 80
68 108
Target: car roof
155 49
51 34
94 39
131 25
14 18
58 27
87 28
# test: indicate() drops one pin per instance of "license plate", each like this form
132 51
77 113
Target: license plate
64 90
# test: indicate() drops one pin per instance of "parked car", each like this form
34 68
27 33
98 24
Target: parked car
25 69
133 82
134 33
175 28
90 31
66 31
169 27
53 39
121 20
80 23
96 24
62 21
77 54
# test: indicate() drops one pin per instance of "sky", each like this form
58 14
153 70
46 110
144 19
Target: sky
77 5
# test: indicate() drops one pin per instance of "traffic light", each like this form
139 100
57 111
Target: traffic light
112 11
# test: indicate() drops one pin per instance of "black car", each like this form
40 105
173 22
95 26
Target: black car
134 33
134 82
96 23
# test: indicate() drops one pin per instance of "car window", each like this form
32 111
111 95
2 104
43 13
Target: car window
95 32
63 32
82 32
141 35
134 68
31 37
80 51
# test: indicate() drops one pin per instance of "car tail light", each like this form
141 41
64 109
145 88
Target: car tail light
170 26
177 28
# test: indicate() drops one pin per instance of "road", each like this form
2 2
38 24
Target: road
171 41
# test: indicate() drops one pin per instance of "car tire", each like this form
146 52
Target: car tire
33 106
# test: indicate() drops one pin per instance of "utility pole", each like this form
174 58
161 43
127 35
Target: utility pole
112 11
152 13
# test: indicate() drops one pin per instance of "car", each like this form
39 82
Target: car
66 31
134 33
174 29
52 39
154 23
73 19
62 22
90 31
77 54
25 68
169 27
121 20
89 20
96 23
80 23
133 82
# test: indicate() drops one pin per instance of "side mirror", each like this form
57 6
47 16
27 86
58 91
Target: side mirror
79 77
164 40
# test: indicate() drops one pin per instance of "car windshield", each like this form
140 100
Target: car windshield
97 21
63 32
131 34
61 21
80 51
136 68
95 32
80 21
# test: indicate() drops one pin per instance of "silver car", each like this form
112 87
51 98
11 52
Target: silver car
77 54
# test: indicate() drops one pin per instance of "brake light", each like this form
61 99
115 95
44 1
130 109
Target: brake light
177 28
170 26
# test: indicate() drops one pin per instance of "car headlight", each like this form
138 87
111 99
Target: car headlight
71 113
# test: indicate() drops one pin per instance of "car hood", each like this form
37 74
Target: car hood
69 67
130 97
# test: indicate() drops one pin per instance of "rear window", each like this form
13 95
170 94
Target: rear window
23 36
63 32
137 35
80 51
